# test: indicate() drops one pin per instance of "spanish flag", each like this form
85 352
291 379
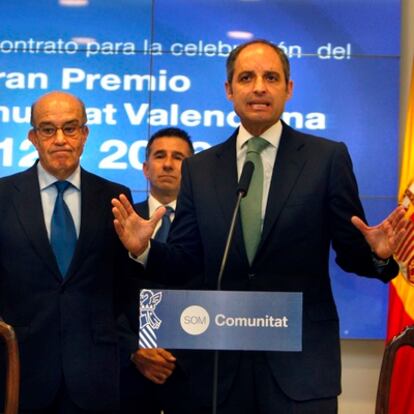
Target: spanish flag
401 295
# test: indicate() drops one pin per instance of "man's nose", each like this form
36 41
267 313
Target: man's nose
168 162
259 85
60 136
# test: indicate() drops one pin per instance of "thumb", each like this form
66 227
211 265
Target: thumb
359 224
157 215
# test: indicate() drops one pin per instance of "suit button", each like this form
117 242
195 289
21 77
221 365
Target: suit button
251 275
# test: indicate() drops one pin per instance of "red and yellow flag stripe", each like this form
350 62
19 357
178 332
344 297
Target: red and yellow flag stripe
401 295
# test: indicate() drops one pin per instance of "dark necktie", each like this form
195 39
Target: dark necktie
164 229
62 232
251 205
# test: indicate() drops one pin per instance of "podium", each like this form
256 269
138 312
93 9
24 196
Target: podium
221 320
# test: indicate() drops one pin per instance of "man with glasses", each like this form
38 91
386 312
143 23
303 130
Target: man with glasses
62 268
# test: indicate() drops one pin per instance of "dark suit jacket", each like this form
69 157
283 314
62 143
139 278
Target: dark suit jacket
137 392
128 322
312 197
142 209
65 328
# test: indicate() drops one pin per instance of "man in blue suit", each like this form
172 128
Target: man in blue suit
309 202
64 317
145 371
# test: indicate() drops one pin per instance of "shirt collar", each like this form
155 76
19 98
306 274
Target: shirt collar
46 179
153 204
271 135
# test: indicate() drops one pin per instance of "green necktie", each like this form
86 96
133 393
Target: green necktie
251 205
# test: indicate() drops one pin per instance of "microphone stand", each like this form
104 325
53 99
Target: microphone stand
242 189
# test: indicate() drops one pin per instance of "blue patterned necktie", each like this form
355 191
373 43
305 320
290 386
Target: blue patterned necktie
62 232
162 233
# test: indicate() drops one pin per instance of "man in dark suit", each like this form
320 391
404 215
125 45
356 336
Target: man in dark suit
63 314
308 198
144 371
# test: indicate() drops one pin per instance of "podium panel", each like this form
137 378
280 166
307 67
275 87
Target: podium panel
221 320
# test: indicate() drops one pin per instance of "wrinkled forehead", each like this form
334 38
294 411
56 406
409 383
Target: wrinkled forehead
258 57
169 144
57 108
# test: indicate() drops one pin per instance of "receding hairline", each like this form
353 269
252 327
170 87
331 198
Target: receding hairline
57 94
234 54
169 132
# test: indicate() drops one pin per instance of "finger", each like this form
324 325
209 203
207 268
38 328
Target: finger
157 376
402 226
393 218
162 365
397 226
166 355
161 371
117 215
118 209
157 215
154 377
118 228
126 204
154 361
401 232
397 215
399 238
162 376
158 379
401 216
148 353
168 367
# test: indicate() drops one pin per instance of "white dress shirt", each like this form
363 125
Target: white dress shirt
154 204
268 155
48 194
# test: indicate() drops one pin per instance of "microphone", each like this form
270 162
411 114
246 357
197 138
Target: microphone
245 178
242 189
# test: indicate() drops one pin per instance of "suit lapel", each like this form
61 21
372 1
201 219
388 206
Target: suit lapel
27 202
92 218
225 176
142 209
289 164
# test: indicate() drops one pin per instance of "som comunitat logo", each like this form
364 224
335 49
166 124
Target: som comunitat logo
194 320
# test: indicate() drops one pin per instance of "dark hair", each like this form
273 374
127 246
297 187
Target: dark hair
231 59
169 133
33 107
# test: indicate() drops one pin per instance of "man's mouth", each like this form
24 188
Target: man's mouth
259 105
60 151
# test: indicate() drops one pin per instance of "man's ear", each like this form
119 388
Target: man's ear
229 91
86 130
85 133
145 169
289 89
32 137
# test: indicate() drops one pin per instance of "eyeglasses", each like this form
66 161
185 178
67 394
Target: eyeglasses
49 131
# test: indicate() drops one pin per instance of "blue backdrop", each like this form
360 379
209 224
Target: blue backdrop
141 65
